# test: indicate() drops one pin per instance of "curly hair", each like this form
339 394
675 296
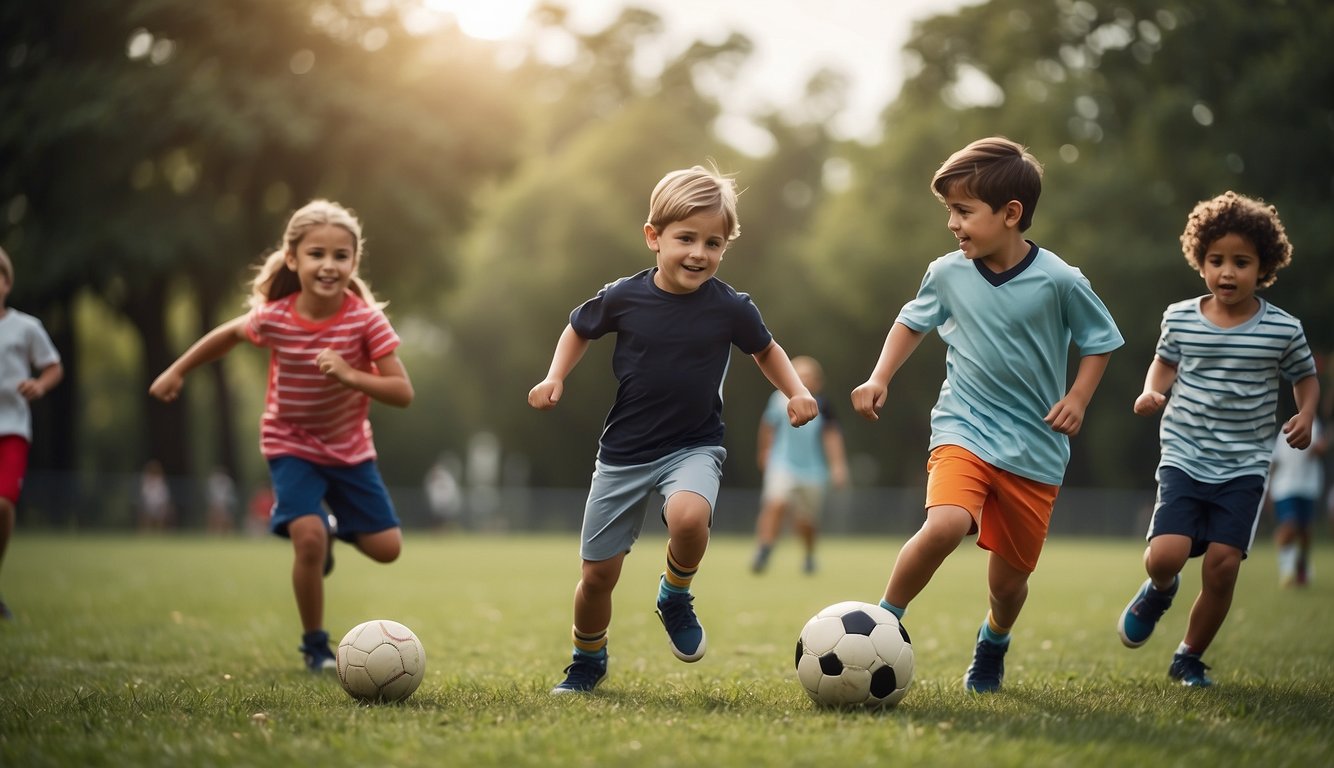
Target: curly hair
1234 214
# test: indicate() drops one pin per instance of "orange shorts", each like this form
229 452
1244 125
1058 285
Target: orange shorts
1011 514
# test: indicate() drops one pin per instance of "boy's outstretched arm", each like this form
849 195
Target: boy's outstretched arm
569 351
1067 416
868 398
1306 393
213 345
1160 378
777 368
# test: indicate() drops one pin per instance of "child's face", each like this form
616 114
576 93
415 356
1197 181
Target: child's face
1231 269
689 251
324 261
981 232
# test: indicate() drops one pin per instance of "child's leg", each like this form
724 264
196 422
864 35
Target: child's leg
1218 579
381 546
687 515
1164 558
592 596
6 525
945 527
310 540
1007 592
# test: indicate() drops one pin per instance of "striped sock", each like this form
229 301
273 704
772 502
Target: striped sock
894 609
993 632
677 577
590 643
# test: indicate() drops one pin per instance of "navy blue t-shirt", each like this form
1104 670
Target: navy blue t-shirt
671 356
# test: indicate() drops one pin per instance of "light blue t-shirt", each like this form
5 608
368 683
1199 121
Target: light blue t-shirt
1219 422
1008 340
799 451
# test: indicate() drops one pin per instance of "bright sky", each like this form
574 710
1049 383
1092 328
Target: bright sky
793 38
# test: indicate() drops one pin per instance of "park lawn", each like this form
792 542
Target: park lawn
181 650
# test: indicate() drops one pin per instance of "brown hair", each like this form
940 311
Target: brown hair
1234 214
994 170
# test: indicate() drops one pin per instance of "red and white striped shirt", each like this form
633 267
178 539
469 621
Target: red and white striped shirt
308 414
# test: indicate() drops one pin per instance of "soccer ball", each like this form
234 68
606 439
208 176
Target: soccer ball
854 654
381 661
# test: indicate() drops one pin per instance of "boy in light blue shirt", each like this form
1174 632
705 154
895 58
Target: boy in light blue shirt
1008 312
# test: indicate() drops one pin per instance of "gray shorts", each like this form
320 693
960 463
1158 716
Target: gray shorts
614 514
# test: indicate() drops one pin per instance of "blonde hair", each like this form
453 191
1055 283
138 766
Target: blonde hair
690 191
273 280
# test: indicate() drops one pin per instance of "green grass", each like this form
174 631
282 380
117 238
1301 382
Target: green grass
182 651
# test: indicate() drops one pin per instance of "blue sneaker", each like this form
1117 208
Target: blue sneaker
684 633
1142 614
319 657
1189 669
583 675
987 671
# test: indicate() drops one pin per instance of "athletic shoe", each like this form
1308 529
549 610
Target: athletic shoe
319 657
1189 669
760 562
987 671
583 675
5 613
1142 614
808 567
684 633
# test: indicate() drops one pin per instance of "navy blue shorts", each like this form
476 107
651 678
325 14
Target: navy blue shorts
1225 512
1297 510
355 495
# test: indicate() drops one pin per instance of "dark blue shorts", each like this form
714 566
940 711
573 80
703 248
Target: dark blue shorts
1225 512
355 495
1297 510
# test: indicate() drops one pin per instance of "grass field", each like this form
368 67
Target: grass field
182 651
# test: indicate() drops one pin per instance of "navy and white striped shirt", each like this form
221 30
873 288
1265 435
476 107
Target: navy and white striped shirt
1219 422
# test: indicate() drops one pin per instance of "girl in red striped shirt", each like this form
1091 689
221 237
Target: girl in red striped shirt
331 351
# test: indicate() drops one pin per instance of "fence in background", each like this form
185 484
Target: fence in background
57 501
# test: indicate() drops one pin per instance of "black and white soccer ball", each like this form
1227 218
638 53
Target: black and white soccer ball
854 654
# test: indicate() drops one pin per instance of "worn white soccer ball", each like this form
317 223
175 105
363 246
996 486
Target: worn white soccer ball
854 654
381 661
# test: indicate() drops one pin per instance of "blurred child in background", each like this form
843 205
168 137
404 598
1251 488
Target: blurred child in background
25 348
799 465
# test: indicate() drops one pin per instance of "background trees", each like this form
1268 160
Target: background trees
151 150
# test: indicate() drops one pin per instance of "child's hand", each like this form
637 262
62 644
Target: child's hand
801 409
333 365
31 389
868 399
1066 417
167 386
1149 403
1298 431
546 394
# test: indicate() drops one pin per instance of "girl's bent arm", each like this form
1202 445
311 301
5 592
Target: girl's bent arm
390 386
214 344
